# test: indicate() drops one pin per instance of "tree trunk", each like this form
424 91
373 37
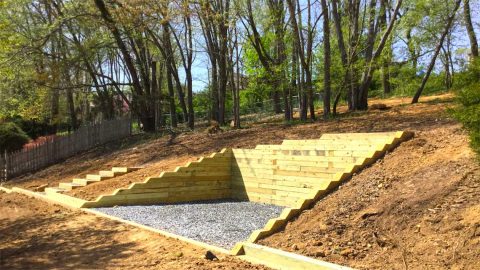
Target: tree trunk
188 69
293 82
222 79
159 98
191 114
470 30
154 91
412 50
386 78
385 62
214 91
236 93
362 97
170 62
138 91
446 66
305 57
277 105
327 61
71 109
171 96
343 54
435 54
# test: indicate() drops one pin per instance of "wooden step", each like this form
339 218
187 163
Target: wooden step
64 199
70 186
94 177
350 140
319 147
108 173
126 169
83 181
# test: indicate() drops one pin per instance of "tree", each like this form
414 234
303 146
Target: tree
304 49
361 102
214 19
327 61
469 26
143 104
273 63
437 51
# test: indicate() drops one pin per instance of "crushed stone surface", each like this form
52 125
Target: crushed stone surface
220 223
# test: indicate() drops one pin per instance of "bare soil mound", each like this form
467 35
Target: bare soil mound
418 208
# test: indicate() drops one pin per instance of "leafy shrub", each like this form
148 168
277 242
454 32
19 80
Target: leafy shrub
469 112
12 137
35 129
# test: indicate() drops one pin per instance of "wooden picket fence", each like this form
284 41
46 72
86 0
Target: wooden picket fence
59 148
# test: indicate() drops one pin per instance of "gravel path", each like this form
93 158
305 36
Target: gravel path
220 223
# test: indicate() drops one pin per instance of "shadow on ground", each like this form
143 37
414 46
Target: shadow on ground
96 249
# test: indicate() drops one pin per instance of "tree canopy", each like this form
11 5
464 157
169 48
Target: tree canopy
71 61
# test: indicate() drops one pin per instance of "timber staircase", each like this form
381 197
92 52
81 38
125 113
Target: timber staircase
292 174
91 178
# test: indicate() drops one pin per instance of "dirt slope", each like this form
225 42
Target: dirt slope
37 235
418 208
165 153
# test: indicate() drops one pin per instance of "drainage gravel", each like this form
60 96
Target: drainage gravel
220 223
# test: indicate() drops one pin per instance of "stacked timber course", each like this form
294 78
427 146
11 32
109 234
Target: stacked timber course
287 174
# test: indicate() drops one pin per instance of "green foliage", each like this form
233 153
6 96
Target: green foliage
469 76
21 92
469 112
34 128
12 137
404 82
202 103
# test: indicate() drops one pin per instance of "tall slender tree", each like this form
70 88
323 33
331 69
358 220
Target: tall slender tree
327 61
449 23
469 25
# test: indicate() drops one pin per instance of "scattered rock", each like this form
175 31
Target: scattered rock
295 247
210 256
346 252
317 243
180 254
370 214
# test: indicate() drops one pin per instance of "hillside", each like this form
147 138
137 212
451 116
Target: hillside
165 153
417 208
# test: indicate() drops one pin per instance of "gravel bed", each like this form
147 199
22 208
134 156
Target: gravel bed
220 223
